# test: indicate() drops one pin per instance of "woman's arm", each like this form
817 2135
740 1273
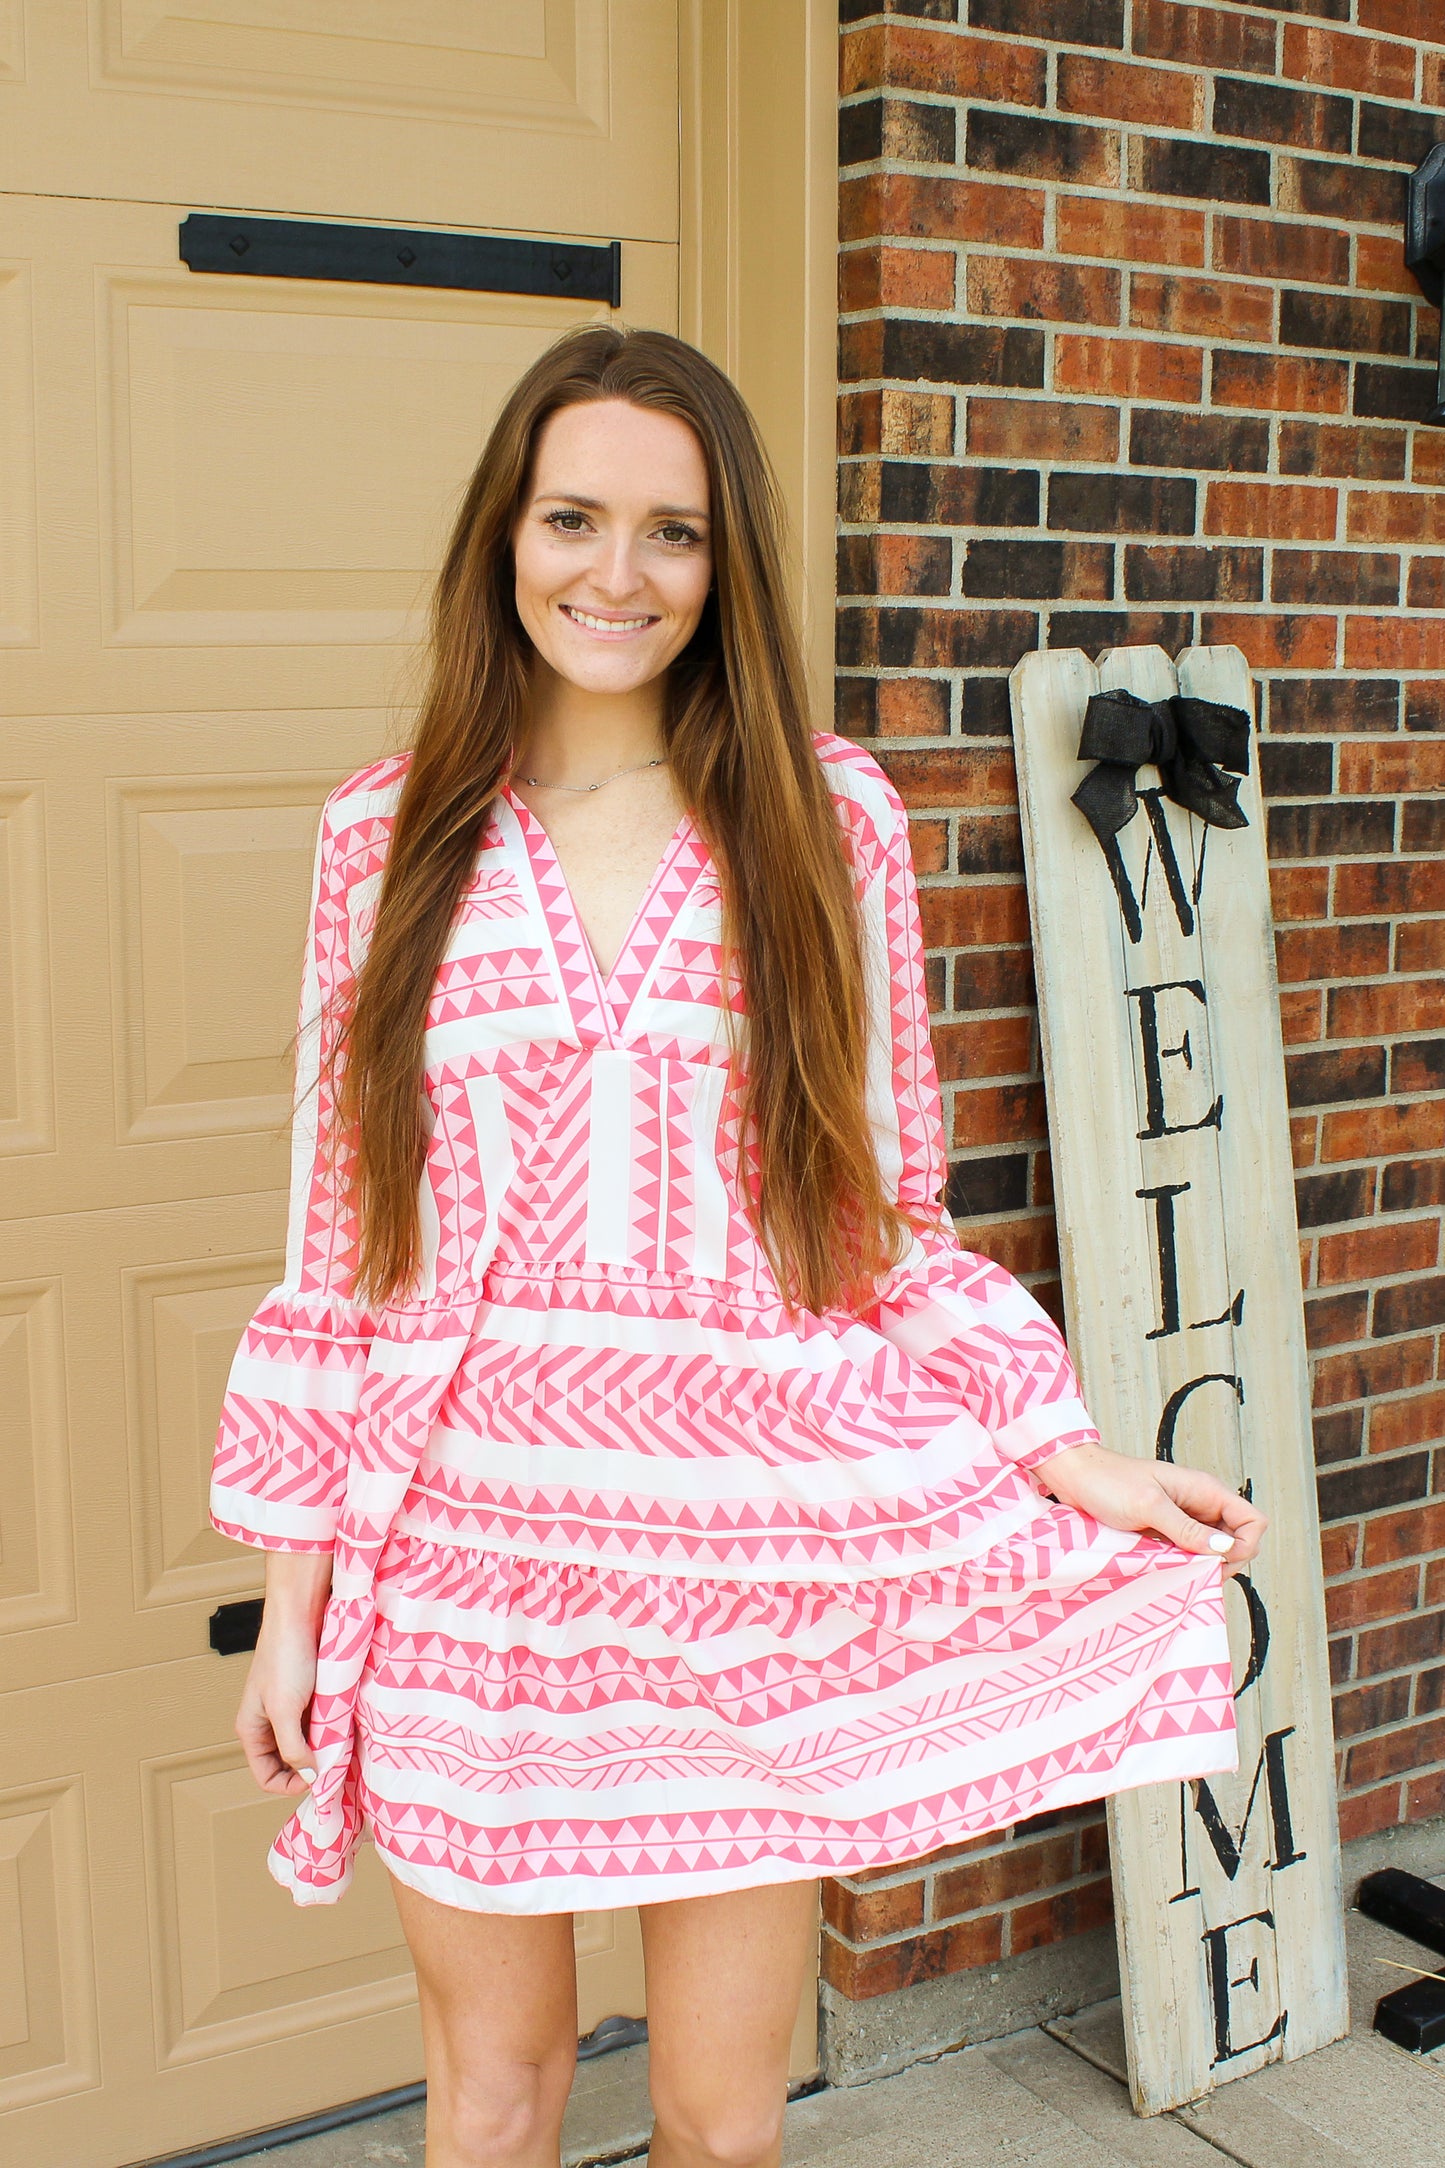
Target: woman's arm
271 1721
964 1318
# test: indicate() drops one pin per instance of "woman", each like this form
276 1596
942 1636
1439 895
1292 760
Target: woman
680 1512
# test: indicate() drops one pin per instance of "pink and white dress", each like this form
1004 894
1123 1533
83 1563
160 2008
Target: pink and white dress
642 1588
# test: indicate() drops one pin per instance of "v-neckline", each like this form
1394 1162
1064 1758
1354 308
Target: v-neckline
605 984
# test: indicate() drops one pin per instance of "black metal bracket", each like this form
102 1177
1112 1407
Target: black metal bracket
234 1626
293 248
1425 248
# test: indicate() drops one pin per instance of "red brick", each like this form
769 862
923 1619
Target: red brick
867 1915
1394 1753
1379 1132
1387 1010
1396 885
1123 227
961 775
1394 643
1331 952
1011 1873
914 422
1330 1320
928 841
910 564
906 278
1427 462
1404 1642
991 915
1425 589
1420 947
1410 1534
1277 248
1068 1912
1023 1247
1274 643
1027 429
924 207
1380 269
912 708
1338 1548
1094 1848
1435 1584
1395 515
1202 308
862 1974
897 56
1372 1597
1281 381
1404 19
1420 1420
999 1114
1128 368
1333 57
1425 1797
1368 1253
1354 454
1210 37
1415 763
990 1046
1304 1139
1122 90
1386 1368
1301 1016
1281 511
1300 892
1366 1815
1042 288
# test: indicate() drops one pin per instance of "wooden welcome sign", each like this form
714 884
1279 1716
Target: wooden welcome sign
1170 1138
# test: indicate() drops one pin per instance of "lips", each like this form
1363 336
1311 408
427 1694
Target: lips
592 623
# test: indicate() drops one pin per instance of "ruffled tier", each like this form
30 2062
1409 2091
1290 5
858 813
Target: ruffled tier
540 1735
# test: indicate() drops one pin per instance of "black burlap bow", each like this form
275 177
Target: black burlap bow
1189 741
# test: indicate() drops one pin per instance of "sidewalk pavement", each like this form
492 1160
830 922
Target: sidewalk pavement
1049 2098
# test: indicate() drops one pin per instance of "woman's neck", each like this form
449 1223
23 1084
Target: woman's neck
575 736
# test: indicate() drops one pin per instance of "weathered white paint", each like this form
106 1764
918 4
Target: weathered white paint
1264 1942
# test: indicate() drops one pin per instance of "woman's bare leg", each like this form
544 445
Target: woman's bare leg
499 2024
724 1976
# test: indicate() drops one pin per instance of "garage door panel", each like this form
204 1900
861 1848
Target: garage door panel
48 2037
27 1084
19 564
212 883
37 1580
519 114
237 1963
287 455
182 1323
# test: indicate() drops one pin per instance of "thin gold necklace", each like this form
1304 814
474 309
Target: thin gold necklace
536 783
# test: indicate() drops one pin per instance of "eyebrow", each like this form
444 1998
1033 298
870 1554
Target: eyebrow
595 504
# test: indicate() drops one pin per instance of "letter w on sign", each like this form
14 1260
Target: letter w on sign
1164 1068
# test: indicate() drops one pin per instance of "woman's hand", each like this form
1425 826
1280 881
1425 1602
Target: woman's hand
271 1721
1184 1505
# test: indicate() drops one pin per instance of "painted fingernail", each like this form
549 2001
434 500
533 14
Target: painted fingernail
1221 1542
308 1774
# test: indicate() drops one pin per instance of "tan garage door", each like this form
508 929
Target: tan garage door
222 497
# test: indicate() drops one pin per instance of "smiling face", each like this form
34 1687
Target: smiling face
612 553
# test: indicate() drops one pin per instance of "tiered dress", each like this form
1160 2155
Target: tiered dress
643 1589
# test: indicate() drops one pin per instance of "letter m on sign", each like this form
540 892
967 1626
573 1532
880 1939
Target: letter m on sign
1175 1198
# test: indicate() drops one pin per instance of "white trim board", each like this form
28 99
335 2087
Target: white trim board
1230 1924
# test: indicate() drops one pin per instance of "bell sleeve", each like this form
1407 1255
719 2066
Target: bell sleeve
279 1471
967 1321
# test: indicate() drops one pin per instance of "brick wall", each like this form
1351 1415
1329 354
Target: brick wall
1129 354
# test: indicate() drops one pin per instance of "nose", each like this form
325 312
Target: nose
617 570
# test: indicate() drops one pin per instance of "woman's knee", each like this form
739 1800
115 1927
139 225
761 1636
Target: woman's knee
716 2132
504 2114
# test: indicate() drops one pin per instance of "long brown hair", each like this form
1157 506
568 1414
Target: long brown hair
738 738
